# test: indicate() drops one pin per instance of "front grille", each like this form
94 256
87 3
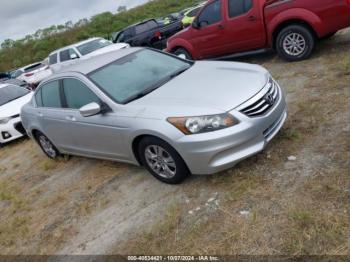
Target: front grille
265 103
19 127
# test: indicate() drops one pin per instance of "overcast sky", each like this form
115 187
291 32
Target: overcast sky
21 17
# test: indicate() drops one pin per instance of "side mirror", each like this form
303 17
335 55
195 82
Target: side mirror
73 56
203 24
195 24
90 109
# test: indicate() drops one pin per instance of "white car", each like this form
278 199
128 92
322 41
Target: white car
12 98
33 74
82 50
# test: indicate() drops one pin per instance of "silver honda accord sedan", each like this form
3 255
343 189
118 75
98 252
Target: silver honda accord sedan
173 116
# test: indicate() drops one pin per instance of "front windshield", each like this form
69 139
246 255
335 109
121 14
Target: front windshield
10 93
92 46
137 73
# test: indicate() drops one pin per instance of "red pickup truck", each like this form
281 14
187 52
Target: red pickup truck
290 27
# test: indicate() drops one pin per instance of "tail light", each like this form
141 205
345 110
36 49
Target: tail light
349 2
29 74
159 35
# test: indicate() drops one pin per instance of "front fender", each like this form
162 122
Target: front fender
182 43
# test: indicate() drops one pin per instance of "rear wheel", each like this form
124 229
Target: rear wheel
162 161
182 53
295 43
47 146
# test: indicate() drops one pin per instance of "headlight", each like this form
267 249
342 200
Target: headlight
202 124
4 120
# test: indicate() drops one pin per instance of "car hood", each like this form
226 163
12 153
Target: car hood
107 49
14 107
207 87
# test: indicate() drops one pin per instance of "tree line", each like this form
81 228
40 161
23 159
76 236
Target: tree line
37 46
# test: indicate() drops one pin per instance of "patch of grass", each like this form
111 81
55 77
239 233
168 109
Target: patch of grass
49 164
14 230
290 134
310 231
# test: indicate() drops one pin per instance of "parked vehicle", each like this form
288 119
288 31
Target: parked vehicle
4 76
190 15
85 49
12 98
148 33
291 28
16 82
33 74
173 116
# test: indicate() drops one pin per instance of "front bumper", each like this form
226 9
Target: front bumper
11 130
213 152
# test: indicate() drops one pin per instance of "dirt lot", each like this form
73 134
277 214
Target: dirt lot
293 198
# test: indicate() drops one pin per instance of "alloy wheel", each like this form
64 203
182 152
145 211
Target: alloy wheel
294 44
47 146
160 161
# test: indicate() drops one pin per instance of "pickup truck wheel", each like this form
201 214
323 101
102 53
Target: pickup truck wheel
295 43
162 161
182 53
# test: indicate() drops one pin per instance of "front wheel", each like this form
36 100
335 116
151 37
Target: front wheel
182 53
162 161
295 43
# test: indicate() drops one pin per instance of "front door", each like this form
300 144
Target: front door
95 136
244 28
207 39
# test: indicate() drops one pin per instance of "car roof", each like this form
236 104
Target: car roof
86 66
75 45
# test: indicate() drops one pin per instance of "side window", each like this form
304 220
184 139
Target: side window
73 53
64 55
50 95
53 59
211 14
239 7
78 94
38 99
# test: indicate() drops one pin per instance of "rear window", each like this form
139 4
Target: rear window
239 7
10 93
34 67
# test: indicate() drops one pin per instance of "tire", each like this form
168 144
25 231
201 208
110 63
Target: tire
182 53
162 161
47 146
295 43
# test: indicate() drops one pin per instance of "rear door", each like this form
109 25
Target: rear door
244 26
51 115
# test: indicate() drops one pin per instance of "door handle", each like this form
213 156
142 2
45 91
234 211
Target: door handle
252 18
221 27
40 114
70 118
